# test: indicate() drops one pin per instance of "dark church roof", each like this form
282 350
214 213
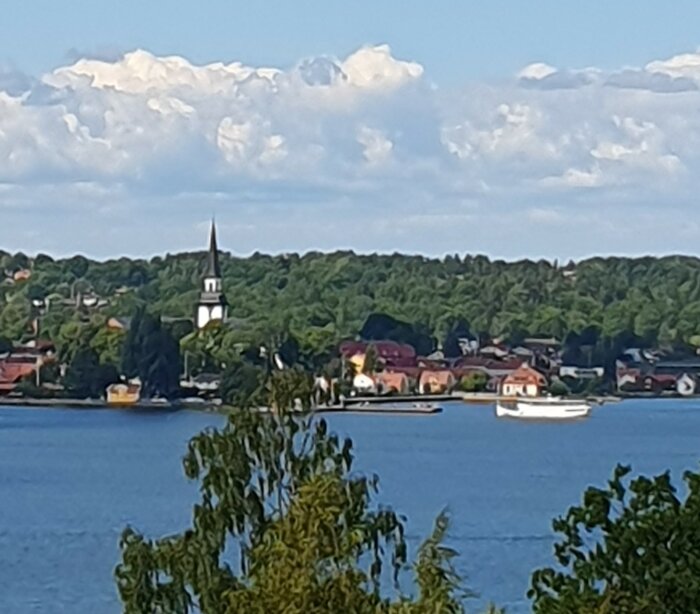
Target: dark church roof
213 268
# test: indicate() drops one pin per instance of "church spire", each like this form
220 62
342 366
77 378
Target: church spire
213 268
212 304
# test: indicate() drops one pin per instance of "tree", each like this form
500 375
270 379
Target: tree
558 388
151 353
86 376
475 381
629 548
36 292
371 361
5 345
241 384
108 344
279 490
132 345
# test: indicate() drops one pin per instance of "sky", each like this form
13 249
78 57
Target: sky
519 130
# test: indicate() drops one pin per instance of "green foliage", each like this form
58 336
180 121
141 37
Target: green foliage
558 388
629 548
27 388
151 353
109 345
242 384
278 490
371 362
307 304
474 381
322 298
381 326
5 345
87 377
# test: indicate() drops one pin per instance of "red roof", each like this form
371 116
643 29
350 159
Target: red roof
442 377
413 372
13 372
525 375
387 350
662 378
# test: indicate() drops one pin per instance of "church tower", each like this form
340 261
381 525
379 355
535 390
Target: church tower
212 302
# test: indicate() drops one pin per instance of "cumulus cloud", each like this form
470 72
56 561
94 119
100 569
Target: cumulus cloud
652 81
335 134
545 77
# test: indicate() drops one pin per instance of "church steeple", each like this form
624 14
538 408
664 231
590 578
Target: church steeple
212 302
213 268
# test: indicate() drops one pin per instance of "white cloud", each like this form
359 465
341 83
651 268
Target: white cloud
361 129
139 71
377 148
683 65
537 70
375 67
575 178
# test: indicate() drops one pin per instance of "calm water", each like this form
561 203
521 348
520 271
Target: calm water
70 480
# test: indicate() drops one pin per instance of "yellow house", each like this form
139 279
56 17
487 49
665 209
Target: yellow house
358 362
123 395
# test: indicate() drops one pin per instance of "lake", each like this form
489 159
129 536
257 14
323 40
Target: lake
70 480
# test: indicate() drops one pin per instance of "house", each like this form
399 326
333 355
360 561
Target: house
123 394
21 275
658 383
524 381
581 372
119 324
204 382
13 372
542 344
677 367
493 351
24 361
389 353
364 384
523 353
388 382
686 385
569 272
436 382
626 377
357 362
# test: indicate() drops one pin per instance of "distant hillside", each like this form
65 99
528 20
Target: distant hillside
323 298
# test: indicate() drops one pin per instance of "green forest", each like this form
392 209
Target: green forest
318 299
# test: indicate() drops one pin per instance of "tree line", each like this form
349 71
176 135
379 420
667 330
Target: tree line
596 307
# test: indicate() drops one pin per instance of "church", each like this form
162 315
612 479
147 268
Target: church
212 304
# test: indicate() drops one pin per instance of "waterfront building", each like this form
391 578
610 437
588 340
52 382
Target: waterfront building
123 394
212 306
523 382
392 382
436 382
388 353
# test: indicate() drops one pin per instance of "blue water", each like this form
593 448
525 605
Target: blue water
70 480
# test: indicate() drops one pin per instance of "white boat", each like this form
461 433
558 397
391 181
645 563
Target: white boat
543 408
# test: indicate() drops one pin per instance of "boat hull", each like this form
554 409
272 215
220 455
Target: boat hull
532 410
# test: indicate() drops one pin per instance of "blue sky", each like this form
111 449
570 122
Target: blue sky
541 129
455 40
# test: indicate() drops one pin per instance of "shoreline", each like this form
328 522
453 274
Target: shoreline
352 404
